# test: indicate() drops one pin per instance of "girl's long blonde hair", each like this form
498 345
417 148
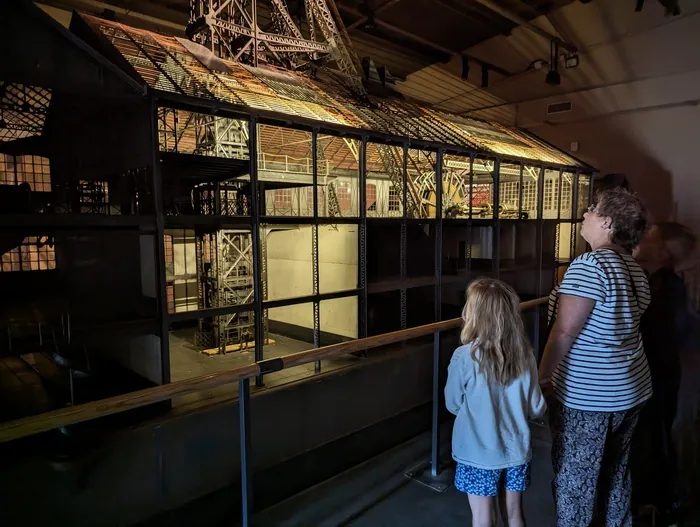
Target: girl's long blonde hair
493 326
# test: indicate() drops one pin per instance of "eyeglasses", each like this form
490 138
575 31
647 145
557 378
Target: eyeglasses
592 207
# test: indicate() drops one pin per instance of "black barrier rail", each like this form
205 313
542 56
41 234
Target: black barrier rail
33 425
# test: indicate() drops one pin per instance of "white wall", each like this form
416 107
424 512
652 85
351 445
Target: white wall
635 95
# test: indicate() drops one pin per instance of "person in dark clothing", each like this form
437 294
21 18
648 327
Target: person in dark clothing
663 326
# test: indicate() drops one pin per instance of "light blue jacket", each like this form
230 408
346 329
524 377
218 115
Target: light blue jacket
491 430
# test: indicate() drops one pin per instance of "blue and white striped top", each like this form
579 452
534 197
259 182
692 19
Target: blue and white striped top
606 369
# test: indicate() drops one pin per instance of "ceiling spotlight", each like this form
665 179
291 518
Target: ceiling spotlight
571 60
537 64
370 23
465 68
553 78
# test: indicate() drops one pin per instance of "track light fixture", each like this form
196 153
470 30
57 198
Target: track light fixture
553 78
571 60
465 68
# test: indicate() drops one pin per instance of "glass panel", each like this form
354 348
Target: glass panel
338 176
481 250
30 169
286 261
518 246
549 243
551 197
524 281
338 320
420 250
337 257
455 254
530 189
564 231
291 330
383 312
453 297
33 253
224 268
455 189
567 197
184 132
580 243
482 188
584 187
420 302
383 252
200 347
212 179
384 181
338 324
421 198
509 191
182 284
285 171
211 344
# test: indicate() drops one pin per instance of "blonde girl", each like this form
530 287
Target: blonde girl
493 391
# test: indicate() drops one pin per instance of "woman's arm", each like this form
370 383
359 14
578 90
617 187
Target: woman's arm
572 313
537 404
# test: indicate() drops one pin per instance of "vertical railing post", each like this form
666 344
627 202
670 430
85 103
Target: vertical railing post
536 333
435 434
244 434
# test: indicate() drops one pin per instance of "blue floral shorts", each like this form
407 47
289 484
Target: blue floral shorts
484 482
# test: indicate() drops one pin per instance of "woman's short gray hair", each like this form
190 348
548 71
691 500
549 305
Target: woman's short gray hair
627 213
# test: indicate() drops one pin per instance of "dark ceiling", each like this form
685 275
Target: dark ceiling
436 29
404 35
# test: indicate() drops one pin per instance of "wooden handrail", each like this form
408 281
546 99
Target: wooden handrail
121 403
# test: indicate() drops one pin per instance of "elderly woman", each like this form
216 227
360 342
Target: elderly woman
595 368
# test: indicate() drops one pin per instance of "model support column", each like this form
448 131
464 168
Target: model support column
362 244
403 242
159 245
314 247
255 236
437 384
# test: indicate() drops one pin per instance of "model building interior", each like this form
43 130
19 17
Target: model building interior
177 204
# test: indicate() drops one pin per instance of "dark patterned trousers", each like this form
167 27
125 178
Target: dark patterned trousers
590 452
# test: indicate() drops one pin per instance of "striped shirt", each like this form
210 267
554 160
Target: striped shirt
606 369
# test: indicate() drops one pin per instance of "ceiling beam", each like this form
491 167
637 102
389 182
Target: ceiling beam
365 18
515 17
427 43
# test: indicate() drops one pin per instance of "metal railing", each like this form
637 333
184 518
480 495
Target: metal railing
45 422
291 165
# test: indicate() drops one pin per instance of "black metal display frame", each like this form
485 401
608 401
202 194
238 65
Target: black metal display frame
363 223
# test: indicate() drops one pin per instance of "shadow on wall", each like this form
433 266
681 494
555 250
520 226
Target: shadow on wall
611 149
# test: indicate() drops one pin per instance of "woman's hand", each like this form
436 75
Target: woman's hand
546 386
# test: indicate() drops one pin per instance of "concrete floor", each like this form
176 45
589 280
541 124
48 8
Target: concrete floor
377 493
186 362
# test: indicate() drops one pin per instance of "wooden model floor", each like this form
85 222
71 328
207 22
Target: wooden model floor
186 362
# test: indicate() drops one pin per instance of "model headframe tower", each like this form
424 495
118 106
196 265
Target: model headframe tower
230 29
